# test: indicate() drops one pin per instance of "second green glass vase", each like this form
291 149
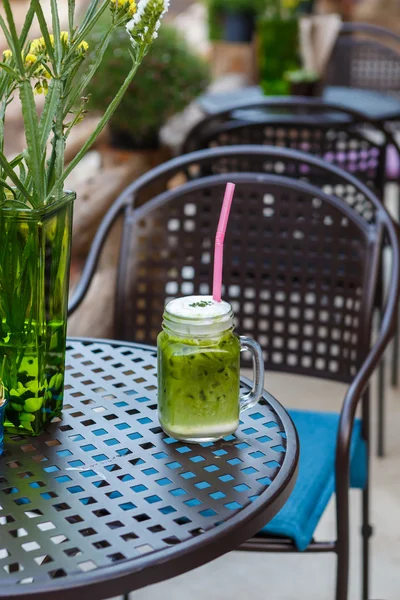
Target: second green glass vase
278 52
34 280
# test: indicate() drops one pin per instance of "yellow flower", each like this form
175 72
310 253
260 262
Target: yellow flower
128 5
41 71
64 37
7 54
132 7
83 46
30 60
41 87
38 46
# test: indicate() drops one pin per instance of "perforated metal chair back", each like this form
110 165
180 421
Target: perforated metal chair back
332 133
300 268
367 57
276 231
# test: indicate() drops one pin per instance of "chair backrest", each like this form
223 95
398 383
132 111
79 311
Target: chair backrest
300 268
330 132
185 169
367 57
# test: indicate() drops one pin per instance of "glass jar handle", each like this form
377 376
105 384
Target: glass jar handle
251 398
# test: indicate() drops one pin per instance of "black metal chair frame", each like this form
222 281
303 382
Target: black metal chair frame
359 34
358 392
202 163
309 113
387 42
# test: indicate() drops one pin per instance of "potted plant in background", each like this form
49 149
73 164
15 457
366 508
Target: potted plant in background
303 82
233 20
35 211
278 44
171 66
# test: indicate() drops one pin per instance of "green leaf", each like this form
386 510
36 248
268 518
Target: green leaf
6 34
45 31
87 26
59 150
71 15
57 34
3 184
27 25
16 160
32 137
4 164
22 171
9 70
89 13
16 47
49 110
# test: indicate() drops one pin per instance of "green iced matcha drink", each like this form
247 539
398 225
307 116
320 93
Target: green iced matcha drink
198 370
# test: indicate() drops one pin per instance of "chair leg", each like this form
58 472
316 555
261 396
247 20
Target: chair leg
343 557
366 534
395 356
342 572
381 409
126 597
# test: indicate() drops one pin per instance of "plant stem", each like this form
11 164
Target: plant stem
103 122
71 16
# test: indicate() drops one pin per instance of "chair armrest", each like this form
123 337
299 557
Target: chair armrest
360 382
94 256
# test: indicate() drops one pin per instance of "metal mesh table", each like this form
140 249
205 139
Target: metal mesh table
377 107
105 502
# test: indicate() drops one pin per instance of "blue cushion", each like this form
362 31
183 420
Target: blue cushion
315 485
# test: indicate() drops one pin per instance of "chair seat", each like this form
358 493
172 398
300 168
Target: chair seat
315 485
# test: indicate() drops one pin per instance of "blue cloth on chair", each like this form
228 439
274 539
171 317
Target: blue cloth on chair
315 485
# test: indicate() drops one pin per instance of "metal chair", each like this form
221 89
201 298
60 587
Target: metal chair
365 56
198 164
301 272
338 135
368 57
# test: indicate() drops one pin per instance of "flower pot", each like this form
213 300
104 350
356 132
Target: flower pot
238 27
310 89
278 52
34 277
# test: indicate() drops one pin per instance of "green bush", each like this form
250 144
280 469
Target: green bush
171 76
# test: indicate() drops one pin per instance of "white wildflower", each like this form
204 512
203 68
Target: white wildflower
147 20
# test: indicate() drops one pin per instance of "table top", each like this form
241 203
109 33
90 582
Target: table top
104 502
374 105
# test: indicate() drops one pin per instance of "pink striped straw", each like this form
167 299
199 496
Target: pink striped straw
219 240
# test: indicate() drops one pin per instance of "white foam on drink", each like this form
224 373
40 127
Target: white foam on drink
198 307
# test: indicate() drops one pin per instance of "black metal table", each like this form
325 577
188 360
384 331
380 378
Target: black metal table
105 503
377 107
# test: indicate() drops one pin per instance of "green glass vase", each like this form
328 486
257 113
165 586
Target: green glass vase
278 52
35 253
